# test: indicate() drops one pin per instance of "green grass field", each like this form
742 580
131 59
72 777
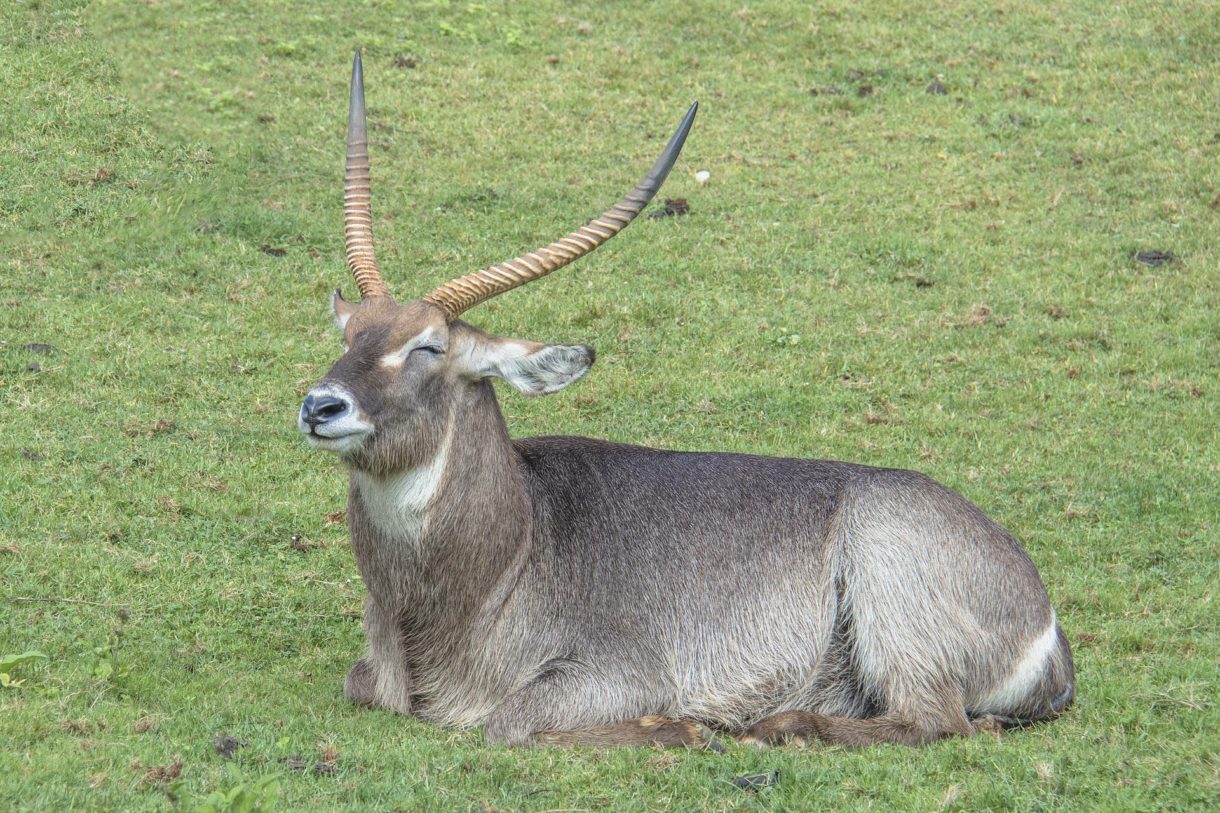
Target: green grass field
918 248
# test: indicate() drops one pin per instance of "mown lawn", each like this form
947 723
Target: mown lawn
929 240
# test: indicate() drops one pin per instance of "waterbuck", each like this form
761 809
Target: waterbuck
562 590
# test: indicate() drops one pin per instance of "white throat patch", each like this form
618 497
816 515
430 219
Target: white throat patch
398 504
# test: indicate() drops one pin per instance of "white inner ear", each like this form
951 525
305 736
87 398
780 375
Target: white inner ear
341 310
533 369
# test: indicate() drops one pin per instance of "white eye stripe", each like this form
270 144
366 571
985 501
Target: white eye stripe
395 360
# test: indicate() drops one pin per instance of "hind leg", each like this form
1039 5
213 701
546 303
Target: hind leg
646 731
801 726
568 706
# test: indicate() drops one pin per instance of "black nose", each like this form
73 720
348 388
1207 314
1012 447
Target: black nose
322 408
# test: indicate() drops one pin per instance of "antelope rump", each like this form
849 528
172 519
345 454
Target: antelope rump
561 590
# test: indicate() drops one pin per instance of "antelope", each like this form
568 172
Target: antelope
564 590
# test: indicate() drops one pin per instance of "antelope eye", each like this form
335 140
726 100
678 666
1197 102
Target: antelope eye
431 349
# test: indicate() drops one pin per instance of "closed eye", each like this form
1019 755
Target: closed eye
433 349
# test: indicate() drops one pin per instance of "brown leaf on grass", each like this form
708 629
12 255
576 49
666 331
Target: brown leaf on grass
144 724
979 315
300 543
672 208
10 549
662 760
273 251
100 175
294 763
169 505
157 774
160 427
335 518
1071 511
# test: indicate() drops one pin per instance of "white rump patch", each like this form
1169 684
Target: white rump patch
1023 677
398 504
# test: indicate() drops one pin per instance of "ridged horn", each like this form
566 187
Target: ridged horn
357 215
464 293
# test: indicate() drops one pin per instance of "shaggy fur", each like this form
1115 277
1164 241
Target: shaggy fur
560 590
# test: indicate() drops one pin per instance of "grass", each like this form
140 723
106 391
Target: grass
875 271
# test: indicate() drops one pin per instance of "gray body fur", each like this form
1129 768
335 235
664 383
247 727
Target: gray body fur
563 590
564 583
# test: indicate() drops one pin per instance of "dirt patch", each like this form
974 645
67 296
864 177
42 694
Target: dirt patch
226 746
1154 257
673 207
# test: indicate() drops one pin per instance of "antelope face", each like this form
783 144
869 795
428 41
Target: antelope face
387 382
387 403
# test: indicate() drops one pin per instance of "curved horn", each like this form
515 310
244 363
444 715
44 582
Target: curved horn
357 216
461 294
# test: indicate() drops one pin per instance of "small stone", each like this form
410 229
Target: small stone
295 763
227 746
757 781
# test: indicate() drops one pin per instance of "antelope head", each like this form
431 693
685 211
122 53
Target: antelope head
386 404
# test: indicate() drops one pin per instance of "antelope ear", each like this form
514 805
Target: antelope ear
534 369
341 308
